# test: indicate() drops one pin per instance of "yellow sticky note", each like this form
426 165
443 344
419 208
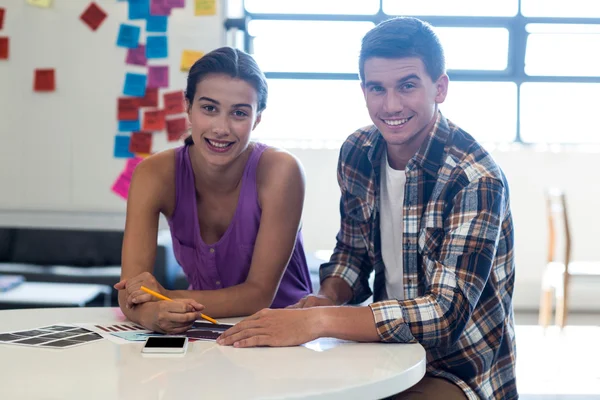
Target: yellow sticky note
205 7
188 58
40 3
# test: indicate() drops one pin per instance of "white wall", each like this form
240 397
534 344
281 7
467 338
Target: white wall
529 171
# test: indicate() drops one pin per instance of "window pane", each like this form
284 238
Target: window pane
306 46
561 8
457 7
474 48
486 110
568 54
559 112
312 6
318 110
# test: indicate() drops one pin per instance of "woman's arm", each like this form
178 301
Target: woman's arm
144 204
280 182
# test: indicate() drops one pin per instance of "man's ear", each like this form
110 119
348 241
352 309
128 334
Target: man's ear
441 86
258 118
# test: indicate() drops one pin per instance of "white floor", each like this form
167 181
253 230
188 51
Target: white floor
554 364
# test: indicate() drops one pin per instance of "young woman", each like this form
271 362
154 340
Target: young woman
233 206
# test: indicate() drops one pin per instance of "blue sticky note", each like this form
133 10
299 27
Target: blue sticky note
135 84
129 36
156 24
156 47
129 126
139 9
122 147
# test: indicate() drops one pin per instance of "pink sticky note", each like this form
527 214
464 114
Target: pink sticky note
137 55
160 7
121 186
175 3
158 76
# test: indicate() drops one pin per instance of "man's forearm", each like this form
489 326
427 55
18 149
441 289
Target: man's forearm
347 323
336 289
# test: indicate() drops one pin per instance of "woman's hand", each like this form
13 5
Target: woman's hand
172 317
135 295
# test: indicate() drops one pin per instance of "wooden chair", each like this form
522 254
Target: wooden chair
560 270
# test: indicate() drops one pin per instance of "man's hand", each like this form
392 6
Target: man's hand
274 328
313 301
135 295
172 317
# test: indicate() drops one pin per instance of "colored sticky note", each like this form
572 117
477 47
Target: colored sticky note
175 3
154 120
40 3
188 58
174 102
93 16
150 99
121 186
159 7
135 84
3 48
2 12
128 108
139 9
156 47
129 36
137 56
122 147
132 163
44 80
140 142
176 128
129 126
158 76
157 24
205 7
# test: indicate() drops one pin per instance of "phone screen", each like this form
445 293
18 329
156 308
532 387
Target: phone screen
165 342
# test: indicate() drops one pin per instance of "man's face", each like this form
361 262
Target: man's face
401 98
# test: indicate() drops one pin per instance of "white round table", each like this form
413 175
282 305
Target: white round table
322 369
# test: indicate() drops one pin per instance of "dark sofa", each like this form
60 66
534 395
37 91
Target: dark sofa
78 256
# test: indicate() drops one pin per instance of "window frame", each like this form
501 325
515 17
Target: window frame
517 44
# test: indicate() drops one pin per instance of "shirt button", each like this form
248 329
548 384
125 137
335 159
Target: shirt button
212 250
218 282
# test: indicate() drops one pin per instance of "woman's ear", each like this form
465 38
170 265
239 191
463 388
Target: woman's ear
258 118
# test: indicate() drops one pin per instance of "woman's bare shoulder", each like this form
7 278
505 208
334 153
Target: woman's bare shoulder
156 174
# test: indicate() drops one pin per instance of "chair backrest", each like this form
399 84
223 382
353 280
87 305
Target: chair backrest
558 227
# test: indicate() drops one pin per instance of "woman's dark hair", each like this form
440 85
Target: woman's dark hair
232 62
404 37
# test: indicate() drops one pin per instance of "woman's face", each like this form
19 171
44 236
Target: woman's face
223 114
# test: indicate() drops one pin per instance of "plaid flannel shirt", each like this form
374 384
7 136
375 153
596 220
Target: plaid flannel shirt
457 252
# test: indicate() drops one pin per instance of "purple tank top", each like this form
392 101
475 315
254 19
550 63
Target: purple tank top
227 262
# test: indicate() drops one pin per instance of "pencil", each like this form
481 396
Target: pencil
160 296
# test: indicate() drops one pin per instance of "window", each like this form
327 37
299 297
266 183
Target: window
351 7
561 8
559 112
567 50
313 110
520 70
307 46
494 8
474 48
486 110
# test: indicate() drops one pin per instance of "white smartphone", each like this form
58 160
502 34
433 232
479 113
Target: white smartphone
165 345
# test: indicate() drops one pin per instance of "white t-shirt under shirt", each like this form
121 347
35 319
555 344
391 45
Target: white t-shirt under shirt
391 226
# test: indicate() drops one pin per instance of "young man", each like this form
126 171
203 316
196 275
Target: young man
427 208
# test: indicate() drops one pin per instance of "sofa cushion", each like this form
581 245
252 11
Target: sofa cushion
6 235
66 247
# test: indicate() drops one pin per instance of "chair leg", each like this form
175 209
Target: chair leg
545 307
561 307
